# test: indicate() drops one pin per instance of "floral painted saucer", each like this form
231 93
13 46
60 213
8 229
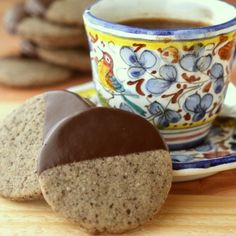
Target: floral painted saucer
217 153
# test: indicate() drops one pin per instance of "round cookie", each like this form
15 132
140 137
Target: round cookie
13 16
37 7
21 138
50 35
68 12
107 170
27 72
77 59
74 59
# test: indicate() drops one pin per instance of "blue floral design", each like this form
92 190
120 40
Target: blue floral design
138 65
158 86
217 75
196 61
163 117
198 105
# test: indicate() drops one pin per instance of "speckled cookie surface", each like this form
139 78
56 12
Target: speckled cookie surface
21 139
24 72
110 195
96 178
50 35
67 11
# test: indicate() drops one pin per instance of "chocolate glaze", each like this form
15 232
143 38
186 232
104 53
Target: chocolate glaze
37 7
13 17
96 133
61 104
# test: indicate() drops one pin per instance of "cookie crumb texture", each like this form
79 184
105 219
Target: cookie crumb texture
20 142
110 195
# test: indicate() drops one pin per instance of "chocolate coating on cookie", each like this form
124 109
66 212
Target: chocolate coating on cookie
98 133
37 7
13 17
60 104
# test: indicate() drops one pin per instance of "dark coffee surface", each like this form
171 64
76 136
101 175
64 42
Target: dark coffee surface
163 23
97 133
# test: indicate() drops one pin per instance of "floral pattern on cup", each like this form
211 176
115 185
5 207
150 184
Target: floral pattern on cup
138 65
198 106
162 116
217 76
182 84
220 143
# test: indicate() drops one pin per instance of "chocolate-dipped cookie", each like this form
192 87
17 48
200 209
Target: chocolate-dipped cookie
106 169
21 139
19 71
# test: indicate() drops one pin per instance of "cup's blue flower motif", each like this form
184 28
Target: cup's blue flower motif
217 75
163 117
138 64
158 86
198 105
196 61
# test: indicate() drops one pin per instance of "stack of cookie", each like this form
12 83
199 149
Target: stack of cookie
53 45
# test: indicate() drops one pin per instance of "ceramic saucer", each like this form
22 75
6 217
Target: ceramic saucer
216 154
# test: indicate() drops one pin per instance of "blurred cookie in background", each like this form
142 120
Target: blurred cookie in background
13 16
18 71
76 59
53 36
50 35
37 7
69 12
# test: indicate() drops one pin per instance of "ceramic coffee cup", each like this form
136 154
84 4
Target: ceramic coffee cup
175 78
